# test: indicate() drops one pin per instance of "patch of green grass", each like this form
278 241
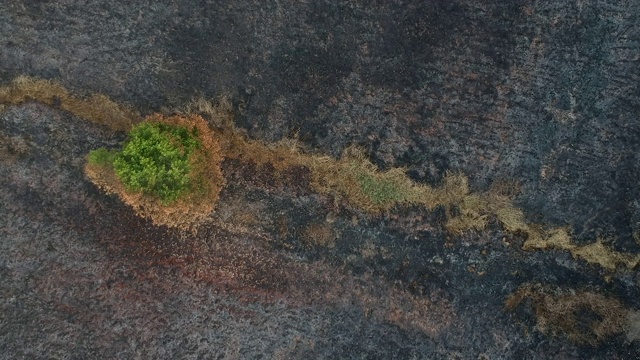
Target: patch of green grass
102 157
379 191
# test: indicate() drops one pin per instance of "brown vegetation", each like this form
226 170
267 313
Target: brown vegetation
12 148
96 108
595 253
582 316
319 234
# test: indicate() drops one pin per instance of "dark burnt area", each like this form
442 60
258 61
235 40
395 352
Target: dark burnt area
294 180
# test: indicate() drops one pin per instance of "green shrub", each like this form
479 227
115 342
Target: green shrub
155 160
169 170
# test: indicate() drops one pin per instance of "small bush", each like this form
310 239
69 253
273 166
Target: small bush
155 160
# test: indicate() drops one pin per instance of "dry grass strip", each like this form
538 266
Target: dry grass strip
96 108
355 179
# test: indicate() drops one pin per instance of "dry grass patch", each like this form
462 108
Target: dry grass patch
96 108
582 316
595 253
319 234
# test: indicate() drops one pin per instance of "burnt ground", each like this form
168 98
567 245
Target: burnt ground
542 93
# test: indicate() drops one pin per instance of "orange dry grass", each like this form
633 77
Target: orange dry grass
187 212
97 108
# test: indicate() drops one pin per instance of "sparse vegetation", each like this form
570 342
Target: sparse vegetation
582 316
96 108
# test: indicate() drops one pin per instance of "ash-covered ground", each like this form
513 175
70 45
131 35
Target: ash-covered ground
544 94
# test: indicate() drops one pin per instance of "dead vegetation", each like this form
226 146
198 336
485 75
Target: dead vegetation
96 108
582 316
319 234
595 253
